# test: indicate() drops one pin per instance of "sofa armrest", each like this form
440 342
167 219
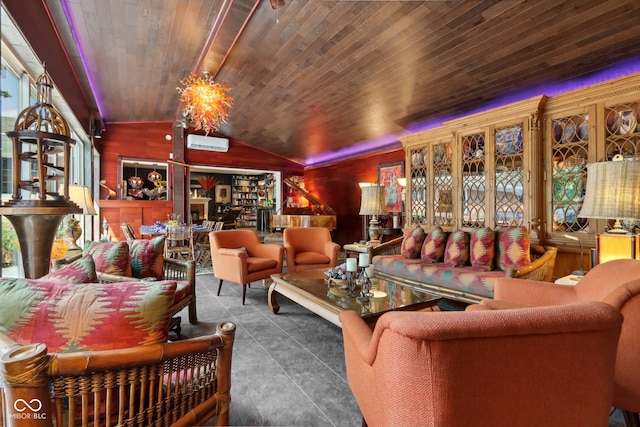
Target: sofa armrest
58 263
392 247
357 336
543 259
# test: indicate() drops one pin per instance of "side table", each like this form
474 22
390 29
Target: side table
353 249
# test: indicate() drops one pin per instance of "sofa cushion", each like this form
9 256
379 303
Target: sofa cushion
412 242
309 258
482 248
464 279
71 317
434 245
513 248
258 264
82 270
457 252
110 257
147 257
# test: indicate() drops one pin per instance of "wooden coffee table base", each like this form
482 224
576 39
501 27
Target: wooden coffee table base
310 290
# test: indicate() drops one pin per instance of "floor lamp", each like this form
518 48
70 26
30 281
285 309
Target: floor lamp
372 203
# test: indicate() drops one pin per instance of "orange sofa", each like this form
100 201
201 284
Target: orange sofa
615 282
531 366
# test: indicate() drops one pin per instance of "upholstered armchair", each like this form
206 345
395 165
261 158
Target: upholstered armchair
238 256
531 366
615 282
309 247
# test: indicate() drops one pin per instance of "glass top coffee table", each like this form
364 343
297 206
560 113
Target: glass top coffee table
313 290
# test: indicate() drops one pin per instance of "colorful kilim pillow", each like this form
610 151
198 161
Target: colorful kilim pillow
513 248
82 270
110 257
482 248
71 317
457 251
434 245
412 242
147 257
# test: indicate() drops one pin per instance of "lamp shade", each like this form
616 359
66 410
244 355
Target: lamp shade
80 195
372 202
613 190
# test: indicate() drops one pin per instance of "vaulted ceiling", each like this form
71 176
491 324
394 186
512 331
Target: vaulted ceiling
316 79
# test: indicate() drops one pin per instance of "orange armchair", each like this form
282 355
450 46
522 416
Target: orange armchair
239 257
531 366
309 247
615 282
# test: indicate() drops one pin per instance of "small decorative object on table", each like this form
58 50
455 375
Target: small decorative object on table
363 278
352 276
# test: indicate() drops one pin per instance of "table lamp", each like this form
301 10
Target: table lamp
372 203
612 192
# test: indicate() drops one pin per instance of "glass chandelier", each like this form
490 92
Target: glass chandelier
206 103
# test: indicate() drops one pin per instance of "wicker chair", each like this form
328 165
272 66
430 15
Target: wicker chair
180 383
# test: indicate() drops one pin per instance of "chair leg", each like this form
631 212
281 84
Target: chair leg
219 286
631 418
193 313
244 292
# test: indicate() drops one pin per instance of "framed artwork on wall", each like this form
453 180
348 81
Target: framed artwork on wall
388 177
223 194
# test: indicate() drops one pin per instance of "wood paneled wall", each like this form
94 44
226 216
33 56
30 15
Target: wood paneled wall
337 186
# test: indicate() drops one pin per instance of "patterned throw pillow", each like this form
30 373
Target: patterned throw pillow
482 248
110 257
79 271
412 242
71 317
457 252
434 245
513 248
147 257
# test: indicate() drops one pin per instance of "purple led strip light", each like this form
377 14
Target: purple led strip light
92 84
620 69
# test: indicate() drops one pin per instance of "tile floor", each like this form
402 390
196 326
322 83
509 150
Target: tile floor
288 369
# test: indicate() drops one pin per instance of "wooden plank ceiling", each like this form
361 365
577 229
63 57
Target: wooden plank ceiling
318 77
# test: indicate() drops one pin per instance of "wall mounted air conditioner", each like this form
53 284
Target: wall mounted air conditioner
208 143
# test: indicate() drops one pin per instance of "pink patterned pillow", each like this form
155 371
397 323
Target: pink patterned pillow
412 243
513 248
82 270
147 257
110 257
434 245
482 248
71 317
457 251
